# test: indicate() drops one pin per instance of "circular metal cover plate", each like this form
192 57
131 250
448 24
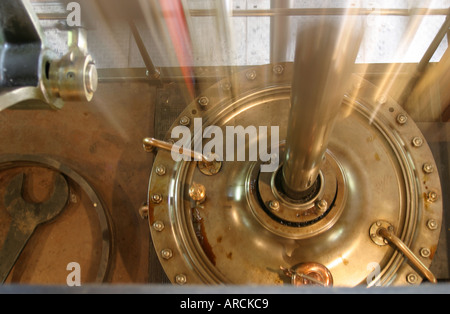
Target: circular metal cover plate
222 241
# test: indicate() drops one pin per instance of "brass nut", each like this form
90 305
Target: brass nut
322 205
181 279
251 75
428 168
160 170
401 119
412 278
226 86
278 69
158 226
156 198
185 121
432 197
274 205
203 102
417 141
425 252
167 254
432 224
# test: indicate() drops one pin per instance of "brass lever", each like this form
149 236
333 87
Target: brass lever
385 231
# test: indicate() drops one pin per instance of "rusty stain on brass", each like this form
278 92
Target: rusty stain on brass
207 248
151 213
433 251
200 232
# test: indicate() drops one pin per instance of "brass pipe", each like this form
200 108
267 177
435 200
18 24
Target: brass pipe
324 60
151 143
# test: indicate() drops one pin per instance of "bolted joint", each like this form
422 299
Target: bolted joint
432 197
156 198
428 168
181 279
274 205
402 119
185 121
322 206
203 102
167 254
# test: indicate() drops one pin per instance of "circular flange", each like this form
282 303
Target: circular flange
223 241
374 234
16 161
298 220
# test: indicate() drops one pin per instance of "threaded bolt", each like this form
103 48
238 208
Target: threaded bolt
401 119
158 226
185 121
167 254
428 168
432 224
274 205
156 198
160 170
417 141
181 279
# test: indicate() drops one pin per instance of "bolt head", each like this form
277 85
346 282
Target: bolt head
160 170
156 198
425 252
432 196
166 254
322 205
185 121
226 86
251 75
412 278
211 166
274 205
432 224
401 119
417 141
278 69
203 101
158 226
382 100
180 279
428 168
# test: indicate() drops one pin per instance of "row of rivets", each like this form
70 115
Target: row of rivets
167 254
431 197
159 226
277 69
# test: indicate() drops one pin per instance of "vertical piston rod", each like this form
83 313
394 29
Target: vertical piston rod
324 59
